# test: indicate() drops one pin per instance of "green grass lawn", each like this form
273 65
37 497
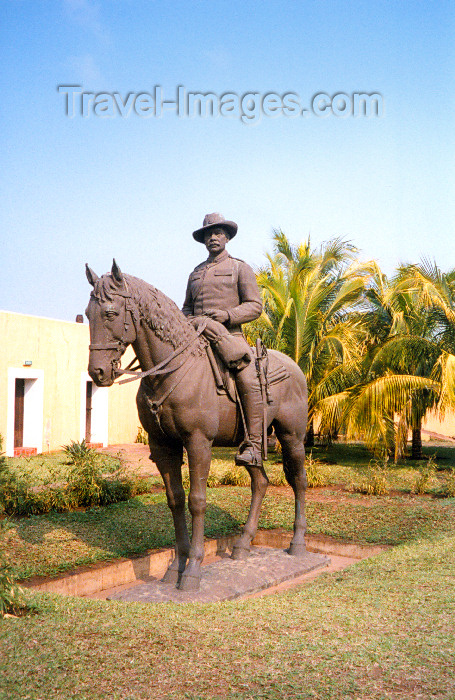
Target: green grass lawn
356 454
347 465
383 628
55 542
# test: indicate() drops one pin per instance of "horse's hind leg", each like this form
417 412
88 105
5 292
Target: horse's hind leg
293 452
259 483
169 462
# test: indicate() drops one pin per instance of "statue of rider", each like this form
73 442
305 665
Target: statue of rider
224 289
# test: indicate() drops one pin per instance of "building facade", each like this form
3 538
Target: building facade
47 398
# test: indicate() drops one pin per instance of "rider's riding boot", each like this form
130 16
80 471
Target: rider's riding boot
248 387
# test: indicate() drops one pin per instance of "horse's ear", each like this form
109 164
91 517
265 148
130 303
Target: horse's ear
116 273
91 276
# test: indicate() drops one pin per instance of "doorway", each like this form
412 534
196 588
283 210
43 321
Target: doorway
94 412
24 430
19 394
88 411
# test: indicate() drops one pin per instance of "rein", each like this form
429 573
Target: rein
161 368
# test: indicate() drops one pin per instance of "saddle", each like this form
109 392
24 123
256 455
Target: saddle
273 372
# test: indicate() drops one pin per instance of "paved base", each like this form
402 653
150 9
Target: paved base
227 579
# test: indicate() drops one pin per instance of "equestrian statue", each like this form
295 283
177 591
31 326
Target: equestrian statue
202 386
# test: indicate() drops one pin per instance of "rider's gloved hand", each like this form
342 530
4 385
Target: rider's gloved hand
217 315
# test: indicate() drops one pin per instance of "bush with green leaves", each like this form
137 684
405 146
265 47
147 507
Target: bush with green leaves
85 479
11 594
212 479
84 486
16 496
276 476
235 476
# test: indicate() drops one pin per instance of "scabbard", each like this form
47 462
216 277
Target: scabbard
262 384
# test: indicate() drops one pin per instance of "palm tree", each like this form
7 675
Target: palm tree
405 371
434 294
307 296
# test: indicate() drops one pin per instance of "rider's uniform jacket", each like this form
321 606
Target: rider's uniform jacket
224 283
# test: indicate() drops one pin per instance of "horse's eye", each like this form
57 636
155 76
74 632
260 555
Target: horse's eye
111 313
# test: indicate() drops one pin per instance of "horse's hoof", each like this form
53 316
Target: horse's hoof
297 550
171 576
189 583
240 553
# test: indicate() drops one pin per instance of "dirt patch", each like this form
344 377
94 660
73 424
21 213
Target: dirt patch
134 456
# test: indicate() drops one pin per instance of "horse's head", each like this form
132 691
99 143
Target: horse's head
112 326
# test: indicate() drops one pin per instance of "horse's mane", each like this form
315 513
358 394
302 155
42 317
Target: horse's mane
159 312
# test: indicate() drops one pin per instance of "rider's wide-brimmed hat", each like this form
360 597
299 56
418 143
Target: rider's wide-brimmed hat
214 221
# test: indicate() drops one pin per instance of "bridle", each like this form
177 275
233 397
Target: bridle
121 345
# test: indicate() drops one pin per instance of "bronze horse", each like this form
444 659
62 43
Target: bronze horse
179 406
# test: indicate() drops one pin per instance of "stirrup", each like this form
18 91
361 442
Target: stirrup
248 455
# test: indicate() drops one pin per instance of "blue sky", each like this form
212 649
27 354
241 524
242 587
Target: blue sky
76 190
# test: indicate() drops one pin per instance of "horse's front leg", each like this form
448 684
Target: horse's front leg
169 460
199 450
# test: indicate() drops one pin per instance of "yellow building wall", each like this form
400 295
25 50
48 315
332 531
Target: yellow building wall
59 350
123 418
434 427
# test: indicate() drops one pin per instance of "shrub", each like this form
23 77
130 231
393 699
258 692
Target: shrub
314 474
425 477
376 483
79 452
16 496
86 486
141 436
277 477
212 479
447 490
85 480
19 497
235 476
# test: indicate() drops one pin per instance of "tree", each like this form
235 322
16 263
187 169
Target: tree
434 294
308 295
405 371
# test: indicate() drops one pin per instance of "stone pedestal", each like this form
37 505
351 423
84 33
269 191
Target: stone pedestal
227 579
